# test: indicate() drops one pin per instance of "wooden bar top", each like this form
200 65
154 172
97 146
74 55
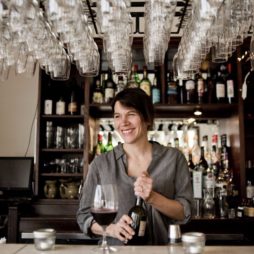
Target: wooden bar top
81 249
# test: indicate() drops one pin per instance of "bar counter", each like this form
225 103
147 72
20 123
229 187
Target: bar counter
81 249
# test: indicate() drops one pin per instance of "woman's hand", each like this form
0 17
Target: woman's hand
143 186
122 229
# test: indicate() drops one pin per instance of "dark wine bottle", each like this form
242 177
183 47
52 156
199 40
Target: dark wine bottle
190 88
230 85
139 219
73 102
220 88
172 89
110 88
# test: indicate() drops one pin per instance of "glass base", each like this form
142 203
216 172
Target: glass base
104 249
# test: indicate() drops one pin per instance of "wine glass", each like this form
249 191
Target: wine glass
104 209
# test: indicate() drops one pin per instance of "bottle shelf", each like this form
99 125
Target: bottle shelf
218 110
49 117
55 150
62 174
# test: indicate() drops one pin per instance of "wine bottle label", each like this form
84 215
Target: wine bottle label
156 95
72 107
48 107
145 86
172 89
97 97
209 181
197 184
230 88
109 94
201 87
142 228
220 90
60 108
190 85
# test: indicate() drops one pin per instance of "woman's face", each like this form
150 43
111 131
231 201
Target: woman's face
129 124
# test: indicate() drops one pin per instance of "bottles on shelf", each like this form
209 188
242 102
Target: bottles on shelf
206 86
190 88
48 102
99 149
98 95
172 97
145 83
73 102
109 145
200 89
139 219
230 85
156 93
60 106
220 87
133 79
109 88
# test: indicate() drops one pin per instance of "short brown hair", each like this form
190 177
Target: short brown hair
136 98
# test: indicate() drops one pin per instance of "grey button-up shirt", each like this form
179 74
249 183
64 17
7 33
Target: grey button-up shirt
170 174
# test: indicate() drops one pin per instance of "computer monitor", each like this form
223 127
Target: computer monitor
16 177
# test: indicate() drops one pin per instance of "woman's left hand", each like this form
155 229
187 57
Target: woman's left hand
143 186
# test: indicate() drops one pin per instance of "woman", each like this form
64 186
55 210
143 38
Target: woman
158 174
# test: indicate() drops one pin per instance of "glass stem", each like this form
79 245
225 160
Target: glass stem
104 243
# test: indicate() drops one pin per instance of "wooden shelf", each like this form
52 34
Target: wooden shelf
175 110
55 150
50 117
62 174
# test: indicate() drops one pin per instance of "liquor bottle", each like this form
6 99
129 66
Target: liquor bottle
190 91
48 103
120 84
73 103
200 88
60 106
98 93
109 145
191 165
202 165
145 83
211 89
180 92
110 88
171 89
139 219
156 93
208 204
220 88
223 204
133 80
230 85
215 155
99 149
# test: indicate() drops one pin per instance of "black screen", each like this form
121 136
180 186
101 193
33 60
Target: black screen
16 174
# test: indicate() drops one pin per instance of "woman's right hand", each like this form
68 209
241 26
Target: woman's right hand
122 229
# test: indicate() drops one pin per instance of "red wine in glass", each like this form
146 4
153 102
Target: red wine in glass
104 216
104 209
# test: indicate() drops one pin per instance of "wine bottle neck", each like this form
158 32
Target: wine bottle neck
139 201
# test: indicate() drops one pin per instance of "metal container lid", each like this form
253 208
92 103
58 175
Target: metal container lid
193 237
44 233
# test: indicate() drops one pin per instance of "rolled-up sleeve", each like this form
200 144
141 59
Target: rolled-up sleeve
183 187
84 216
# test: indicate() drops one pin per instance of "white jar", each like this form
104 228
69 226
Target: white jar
193 242
44 239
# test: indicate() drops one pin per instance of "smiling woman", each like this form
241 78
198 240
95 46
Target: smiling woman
157 174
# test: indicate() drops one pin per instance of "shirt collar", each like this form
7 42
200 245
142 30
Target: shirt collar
119 152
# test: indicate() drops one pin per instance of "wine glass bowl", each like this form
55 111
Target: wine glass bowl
104 209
